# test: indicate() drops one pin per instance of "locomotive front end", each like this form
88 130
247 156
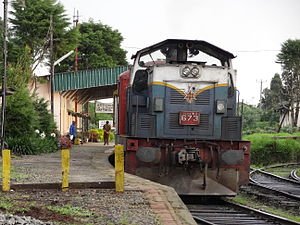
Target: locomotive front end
182 123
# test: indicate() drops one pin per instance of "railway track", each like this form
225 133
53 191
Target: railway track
223 212
285 186
294 176
275 191
273 198
288 170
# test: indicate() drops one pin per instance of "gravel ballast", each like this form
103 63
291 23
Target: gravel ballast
88 163
9 219
82 206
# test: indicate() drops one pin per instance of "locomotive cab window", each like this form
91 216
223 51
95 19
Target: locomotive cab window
140 82
152 58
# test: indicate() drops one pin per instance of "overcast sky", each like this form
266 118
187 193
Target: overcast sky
253 30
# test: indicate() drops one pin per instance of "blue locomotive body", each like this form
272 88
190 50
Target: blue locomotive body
181 114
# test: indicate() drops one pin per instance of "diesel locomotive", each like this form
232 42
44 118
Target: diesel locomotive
178 118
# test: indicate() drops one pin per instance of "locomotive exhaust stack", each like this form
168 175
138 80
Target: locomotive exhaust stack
178 118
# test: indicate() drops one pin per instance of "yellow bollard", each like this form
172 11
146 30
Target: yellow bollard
65 165
119 168
5 170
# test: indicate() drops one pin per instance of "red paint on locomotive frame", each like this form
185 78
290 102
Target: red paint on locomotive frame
132 145
123 84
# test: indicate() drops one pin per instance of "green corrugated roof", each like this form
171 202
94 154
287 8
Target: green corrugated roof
87 78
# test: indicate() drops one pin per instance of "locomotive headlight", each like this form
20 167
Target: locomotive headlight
195 71
186 71
221 106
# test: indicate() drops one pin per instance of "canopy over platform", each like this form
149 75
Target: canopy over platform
88 85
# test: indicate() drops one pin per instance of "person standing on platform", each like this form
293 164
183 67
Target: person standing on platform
106 131
72 131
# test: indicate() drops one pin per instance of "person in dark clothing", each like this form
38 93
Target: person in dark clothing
72 131
106 131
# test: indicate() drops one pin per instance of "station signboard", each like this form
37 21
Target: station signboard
104 107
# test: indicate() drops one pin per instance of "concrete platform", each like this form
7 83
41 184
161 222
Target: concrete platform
89 164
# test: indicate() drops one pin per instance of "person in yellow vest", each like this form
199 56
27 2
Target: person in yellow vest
106 131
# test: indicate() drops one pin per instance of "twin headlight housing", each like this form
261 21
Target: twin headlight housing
190 72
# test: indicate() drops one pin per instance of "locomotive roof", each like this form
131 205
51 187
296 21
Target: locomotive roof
203 46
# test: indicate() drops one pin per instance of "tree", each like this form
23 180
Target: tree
99 46
45 119
25 113
272 100
289 57
31 27
21 117
19 73
28 43
251 116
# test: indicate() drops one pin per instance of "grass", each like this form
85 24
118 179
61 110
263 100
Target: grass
265 149
5 203
15 175
8 205
243 199
21 204
70 210
248 201
281 171
124 220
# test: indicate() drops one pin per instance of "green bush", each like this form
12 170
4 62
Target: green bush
100 134
21 117
45 118
267 149
289 129
25 116
32 145
94 135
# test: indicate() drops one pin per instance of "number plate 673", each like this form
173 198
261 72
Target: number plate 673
189 118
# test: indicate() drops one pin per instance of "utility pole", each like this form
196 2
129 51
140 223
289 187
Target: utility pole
260 93
4 76
51 66
75 23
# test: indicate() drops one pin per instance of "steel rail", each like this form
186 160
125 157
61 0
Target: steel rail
274 182
280 165
273 198
231 213
294 175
